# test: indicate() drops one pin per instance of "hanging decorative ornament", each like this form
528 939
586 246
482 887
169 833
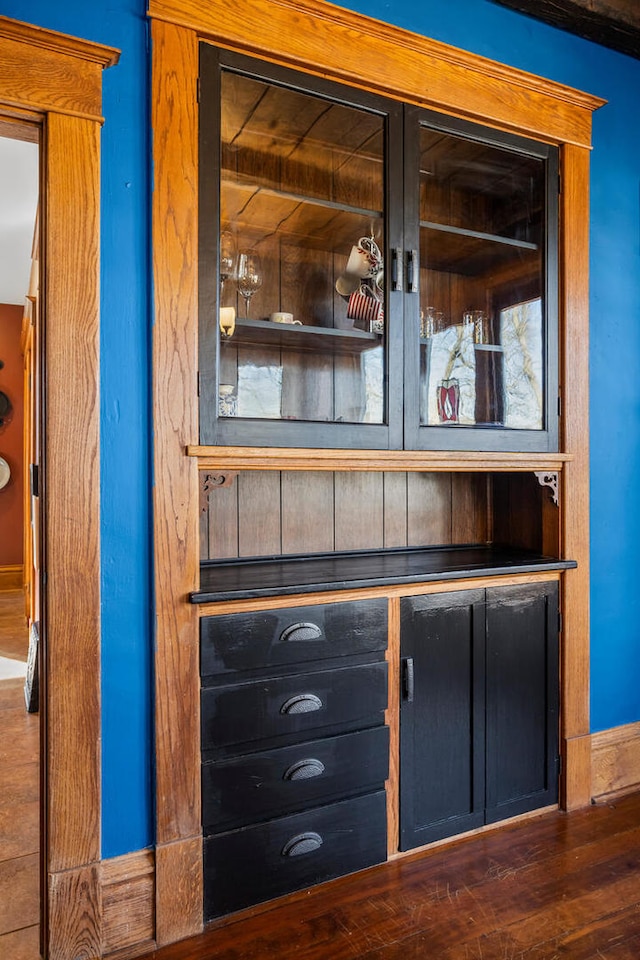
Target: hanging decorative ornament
5 473
6 410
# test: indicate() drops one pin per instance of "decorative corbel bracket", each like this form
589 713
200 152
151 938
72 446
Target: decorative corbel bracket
549 480
212 481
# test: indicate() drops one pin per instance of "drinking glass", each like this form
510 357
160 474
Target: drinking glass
227 258
249 277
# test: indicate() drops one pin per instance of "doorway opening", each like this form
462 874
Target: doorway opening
20 540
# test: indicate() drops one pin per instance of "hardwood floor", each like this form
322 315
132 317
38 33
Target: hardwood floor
553 887
19 797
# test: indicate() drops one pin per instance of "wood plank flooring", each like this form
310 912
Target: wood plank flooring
19 797
553 887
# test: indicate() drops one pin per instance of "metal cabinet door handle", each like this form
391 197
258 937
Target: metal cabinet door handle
301 631
302 703
408 679
304 770
302 843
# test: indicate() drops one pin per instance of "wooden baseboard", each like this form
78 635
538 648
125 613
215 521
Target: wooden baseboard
179 890
615 760
128 905
11 577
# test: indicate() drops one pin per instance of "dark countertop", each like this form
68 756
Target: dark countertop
281 576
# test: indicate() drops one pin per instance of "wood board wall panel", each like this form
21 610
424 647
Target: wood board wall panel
574 490
72 558
307 511
174 119
357 528
222 516
428 508
395 509
259 526
469 508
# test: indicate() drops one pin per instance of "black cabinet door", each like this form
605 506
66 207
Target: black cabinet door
522 699
478 709
441 716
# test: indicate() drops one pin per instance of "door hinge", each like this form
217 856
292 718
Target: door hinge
198 383
559 184
559 405
198 90
34 479
559 622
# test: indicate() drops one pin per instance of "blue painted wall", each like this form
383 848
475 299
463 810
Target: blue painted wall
127 822
476 25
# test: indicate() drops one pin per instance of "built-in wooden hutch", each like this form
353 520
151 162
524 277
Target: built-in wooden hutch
371 447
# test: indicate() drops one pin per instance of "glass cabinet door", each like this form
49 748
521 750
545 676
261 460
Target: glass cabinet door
484 304
294 307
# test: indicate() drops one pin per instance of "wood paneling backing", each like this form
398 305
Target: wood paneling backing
72 492
265 513
320 37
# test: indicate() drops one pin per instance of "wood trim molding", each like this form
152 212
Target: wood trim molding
63 74
11 577
615 760
372 55
258 458
176 497
128 905
574 386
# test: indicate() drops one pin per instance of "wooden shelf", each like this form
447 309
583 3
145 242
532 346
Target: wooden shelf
281 458
470 252
323 340
281 576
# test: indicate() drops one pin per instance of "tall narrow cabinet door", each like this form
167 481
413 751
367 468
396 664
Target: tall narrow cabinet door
522 699
441 716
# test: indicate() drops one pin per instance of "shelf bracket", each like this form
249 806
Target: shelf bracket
213 481
546 479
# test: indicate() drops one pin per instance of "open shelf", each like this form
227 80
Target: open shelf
246 579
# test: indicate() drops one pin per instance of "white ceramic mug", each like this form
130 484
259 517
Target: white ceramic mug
282 317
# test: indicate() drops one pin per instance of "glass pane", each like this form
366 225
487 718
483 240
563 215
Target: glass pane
301 263
482 311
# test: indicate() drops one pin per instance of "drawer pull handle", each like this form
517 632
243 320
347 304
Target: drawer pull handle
301 844
304 770
301 631
302 703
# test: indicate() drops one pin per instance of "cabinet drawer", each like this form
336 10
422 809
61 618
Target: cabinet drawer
244 641
268 860
272 783
278 706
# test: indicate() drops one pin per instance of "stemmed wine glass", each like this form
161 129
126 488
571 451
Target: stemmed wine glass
249 276
227 258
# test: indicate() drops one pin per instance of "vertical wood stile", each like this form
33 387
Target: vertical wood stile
575 494
174 211
392 719
71 543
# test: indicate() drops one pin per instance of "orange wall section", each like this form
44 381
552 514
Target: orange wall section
11 436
